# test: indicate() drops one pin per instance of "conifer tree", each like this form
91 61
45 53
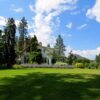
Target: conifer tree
9 42
59 46
22 33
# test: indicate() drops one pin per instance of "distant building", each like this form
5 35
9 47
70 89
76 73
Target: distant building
47 54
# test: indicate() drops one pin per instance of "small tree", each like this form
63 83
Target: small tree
97 59
35 52
59 46
34 44
71 58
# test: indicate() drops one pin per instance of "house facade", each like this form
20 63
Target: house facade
47 55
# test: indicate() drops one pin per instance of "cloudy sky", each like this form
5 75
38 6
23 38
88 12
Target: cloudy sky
78 22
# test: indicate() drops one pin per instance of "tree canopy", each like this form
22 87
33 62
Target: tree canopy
22 33
59 46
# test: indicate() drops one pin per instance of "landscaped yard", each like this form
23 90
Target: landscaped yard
50 84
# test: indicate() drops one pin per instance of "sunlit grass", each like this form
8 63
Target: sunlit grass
50 84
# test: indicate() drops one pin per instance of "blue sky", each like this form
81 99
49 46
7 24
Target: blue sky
78 22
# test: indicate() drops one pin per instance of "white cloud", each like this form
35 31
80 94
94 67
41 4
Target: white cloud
2 21
68 49
69 25
17 22
69 35
82 26
48 6
75 12
31 7
18 10
66 35
90 54
45 11
94 12
58 21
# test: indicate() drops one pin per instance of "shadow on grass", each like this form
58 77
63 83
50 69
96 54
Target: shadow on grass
39 86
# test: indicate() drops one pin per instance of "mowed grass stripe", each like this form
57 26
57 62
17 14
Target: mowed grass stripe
50 84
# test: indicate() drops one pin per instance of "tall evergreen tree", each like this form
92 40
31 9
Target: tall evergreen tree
35 52
71 58
22 33
1 49
97 59
10 31
34 44
60 46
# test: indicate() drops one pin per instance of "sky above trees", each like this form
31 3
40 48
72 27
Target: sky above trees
77 21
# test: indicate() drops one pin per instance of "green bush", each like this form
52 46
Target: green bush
35 57
79 65
16 66
60 63
86 65
98 66
93 65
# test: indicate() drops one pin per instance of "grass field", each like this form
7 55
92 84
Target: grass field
50 84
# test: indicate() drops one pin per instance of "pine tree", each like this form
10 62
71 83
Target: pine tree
97 59
10 31
22 33
35 52
1 49
71 58
59 46
34 44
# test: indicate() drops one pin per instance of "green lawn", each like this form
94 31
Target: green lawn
50 84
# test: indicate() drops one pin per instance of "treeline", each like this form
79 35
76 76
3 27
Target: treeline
83 62
7 44
12 46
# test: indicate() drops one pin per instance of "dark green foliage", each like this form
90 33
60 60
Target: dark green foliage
71 58
53 60
79 65
93 65
9 42
85 62
35 53
1 49
34 44
35 57
0 34
59 46
27 41
97 59
22 33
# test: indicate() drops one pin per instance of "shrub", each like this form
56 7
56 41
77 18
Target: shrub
86 65
16 66
60 63
93 65
98 66
79 65
35 57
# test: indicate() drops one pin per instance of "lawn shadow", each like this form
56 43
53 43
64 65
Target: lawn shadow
39 86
